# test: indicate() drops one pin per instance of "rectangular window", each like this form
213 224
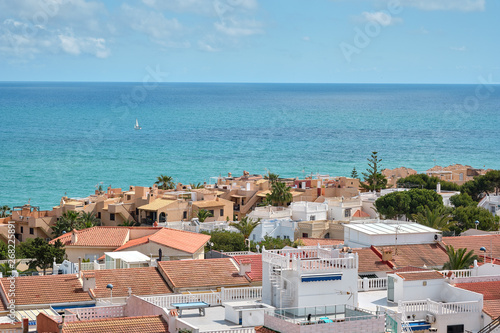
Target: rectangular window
286 237
22 230
98 215
222 212
112 217
185 215
212 212
312 218
305 235
32 231
347 212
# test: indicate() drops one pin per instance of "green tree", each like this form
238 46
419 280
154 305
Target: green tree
436 219
196 185
459 259
165 182
4 251
408 203
374 180
42 252
422 180
226 241
7 268
87 220
280 194
465 217
462 200
4 211
478 187
203 214
493 178
246 226
67 222
354 173
129 223
271 243
273 177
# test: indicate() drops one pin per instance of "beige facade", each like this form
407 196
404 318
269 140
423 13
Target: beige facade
320 229
395 174
168 253
456 173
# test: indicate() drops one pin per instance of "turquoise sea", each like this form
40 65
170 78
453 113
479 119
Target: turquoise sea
58 138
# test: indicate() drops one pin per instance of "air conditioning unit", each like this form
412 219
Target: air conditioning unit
430 318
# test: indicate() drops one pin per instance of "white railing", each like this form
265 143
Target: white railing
439 308
372 284
87 266
212 297
329 264
460 273
98 312
239 253
235 330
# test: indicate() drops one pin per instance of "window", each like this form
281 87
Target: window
112 217
128 197
312 217
22 230
98 215
327 235
305 235
347 212
32 231
184 215
455 328
286 237
211 212
461 176
222 212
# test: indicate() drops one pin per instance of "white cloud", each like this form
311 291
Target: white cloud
236 28
89 45
203 7
306 38
458 48
381 17
460 5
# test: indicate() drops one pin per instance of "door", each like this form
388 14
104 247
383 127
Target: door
390 288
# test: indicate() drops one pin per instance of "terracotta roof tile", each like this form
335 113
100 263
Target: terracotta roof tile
262 329
360 213
492 307
47 289
96 236
202 273
185 241
491 295
145 324
370 262
142 281
418 255
415 276
407 269
256 265
491 242
321 241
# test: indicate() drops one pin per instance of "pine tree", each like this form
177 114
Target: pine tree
374 180
354 173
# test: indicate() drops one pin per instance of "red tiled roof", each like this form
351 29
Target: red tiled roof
409 269
145 324
202 273
321 241
185 241
491 242
491 295
142 281
360 213
369 261
255 265
47 289
262 329
96 237
418 255
424 275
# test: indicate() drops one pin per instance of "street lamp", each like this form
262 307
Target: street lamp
483 249
476 223
110 286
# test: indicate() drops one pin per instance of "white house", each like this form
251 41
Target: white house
270 213
341 209
278 228
309 211
491 203
388 232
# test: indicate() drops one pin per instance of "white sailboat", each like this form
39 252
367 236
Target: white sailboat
137 127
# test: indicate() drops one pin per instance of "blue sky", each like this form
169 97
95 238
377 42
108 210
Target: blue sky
379 41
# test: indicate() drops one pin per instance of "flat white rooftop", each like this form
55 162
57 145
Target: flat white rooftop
381 228
369 300
214 319
128 256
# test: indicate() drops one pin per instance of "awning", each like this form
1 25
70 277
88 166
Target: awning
157 204
321 277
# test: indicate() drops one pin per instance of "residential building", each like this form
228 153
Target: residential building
491 203
457 173
320 229
93 242
276 228
394 175
490 242
309 211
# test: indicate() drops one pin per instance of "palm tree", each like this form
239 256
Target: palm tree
203 214
4 211
130 223
460 259
67 222
273 177
88 220
7 269
165 182
435 219
280 194
194 185
246 226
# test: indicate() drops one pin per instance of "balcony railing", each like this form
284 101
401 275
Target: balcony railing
372 284
439 308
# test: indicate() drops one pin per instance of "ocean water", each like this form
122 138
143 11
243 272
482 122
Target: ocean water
64 138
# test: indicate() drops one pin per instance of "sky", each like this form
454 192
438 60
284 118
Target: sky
312 41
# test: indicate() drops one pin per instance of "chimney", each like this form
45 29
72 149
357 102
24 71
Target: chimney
88 280
26 323
74 236
386 254
245 267
229 175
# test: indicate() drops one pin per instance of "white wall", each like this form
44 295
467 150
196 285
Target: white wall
278 228
304 210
